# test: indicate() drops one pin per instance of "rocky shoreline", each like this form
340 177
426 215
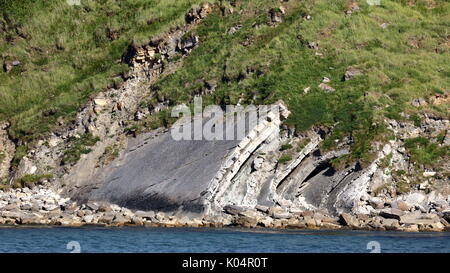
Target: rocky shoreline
41 206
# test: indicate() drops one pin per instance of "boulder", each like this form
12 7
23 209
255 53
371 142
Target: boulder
310 222
281 215
249 213
160 216
29 219
50 207
26 206
106 219
313 45
10 214
100 102
146 215
81 213
419 219
265 222
137 221
325 87
184 221
305 213
445 223
391 213
120 220
295 223
261 208
92 206
419 102
429 174
7 67
401 205
247 222
435 226
390 224
232 209
276 16
415 198
104 207
10 207
88 219
351 72
376 223
330 220
234 29
362 217
348 220
411 228
446 215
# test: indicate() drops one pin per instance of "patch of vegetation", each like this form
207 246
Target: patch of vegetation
284 159
30 180
380 189
423 151
150 122
285 147
20 152
402 187
4 186
386 161
110 154
341 162
263 64
77 147
302 144
2 157
416 119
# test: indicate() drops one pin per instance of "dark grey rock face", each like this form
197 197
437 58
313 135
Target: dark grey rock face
164 174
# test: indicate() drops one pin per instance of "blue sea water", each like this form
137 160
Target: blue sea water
168 240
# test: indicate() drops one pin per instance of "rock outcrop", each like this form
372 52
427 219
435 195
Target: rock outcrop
7 149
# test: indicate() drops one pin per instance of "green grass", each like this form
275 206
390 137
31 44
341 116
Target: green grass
286 146
423 151
402 187
31 179
278 64
67 53
79 146
284 159
68 58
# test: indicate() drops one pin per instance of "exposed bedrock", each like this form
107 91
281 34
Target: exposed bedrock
157 172
164 174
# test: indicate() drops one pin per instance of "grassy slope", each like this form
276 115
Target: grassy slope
67 53
406 60
394 71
